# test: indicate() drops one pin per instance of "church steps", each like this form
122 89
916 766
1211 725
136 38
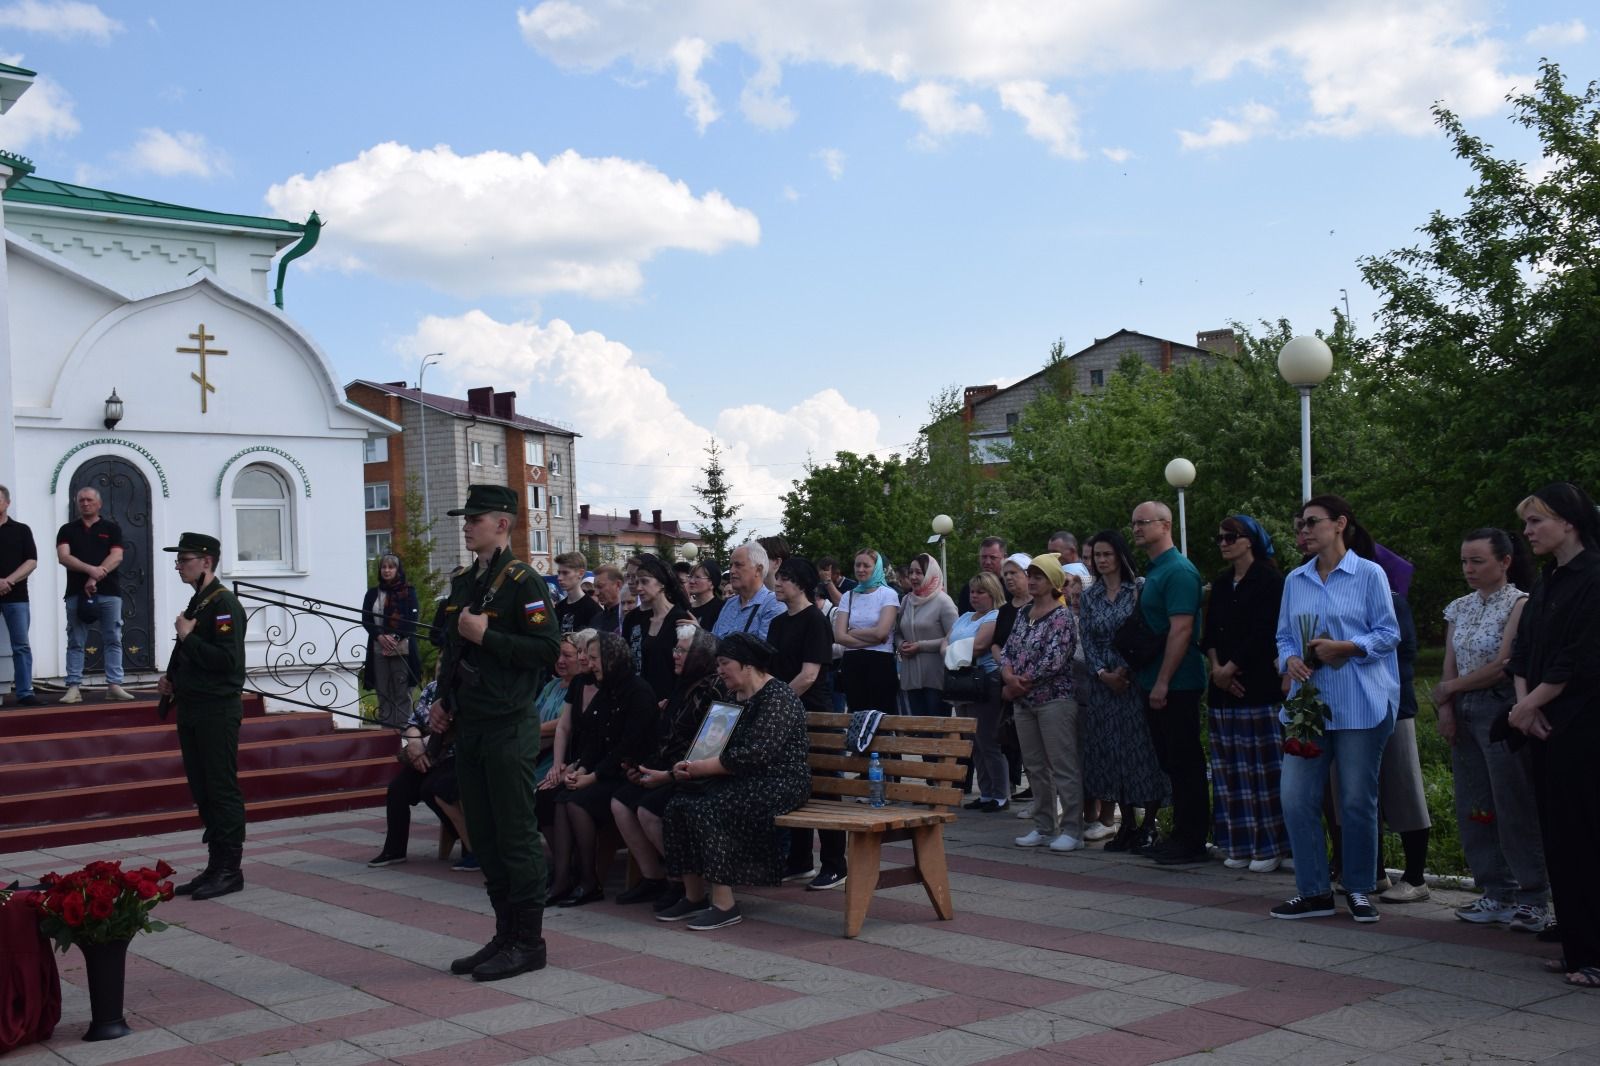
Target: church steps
77 717
104 801
133 768
155 738
60 834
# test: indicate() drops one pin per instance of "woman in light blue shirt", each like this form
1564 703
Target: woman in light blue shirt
1352 662
989 762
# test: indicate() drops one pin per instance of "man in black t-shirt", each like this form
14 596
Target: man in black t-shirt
91 550
574 611
19 557
804 642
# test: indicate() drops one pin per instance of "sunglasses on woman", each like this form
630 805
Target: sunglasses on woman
1227 538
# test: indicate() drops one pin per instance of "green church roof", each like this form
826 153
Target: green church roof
7 68
36 190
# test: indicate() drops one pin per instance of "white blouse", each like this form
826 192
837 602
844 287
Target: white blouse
1480 625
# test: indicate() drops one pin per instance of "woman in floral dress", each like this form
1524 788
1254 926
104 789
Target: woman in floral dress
1120 759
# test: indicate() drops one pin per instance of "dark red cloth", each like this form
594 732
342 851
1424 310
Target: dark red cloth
30 987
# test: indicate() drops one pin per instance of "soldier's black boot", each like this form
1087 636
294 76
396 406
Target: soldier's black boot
227 878
523 952
213 859
502 933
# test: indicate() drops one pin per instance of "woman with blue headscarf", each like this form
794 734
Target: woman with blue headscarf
1246 741
864 627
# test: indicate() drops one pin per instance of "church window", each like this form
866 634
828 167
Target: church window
261 516
377 496
375 450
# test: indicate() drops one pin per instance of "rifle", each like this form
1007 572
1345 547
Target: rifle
453 667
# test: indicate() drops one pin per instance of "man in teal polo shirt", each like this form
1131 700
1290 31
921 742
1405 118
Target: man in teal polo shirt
1173 682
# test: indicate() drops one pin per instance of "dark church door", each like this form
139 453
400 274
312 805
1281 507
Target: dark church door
125 499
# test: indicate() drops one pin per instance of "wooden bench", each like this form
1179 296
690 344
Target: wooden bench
923 793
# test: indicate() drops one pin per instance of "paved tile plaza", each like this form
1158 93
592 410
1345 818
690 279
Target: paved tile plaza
1086 958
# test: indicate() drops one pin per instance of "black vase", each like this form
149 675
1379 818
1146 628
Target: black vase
106 965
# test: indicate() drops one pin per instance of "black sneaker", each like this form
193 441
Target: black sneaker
30 701
715 918
1181 855
684 908
1306 907
1023 794
1361 908
974 804
827 879
385 859
669 896
648 890
1549 934
803 873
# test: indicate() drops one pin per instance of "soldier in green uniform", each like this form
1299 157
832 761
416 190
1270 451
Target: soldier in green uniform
205 679
500 641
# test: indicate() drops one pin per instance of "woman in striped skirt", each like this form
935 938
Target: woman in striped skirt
1246 740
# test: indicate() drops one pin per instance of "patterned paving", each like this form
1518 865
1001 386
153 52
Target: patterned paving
1084 958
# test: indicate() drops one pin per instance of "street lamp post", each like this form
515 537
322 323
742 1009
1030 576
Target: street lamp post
942 525
422 405
1305 362
1180 475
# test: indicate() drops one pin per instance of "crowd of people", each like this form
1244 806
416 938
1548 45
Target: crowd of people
1120 691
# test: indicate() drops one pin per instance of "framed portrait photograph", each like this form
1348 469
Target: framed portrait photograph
714 731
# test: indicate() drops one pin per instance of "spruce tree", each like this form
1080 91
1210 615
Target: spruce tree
720 528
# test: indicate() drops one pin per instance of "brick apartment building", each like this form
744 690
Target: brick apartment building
481 439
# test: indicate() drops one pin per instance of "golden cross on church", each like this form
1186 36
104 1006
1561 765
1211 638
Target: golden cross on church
202 351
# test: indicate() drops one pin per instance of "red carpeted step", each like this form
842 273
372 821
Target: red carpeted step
172 793
87 831
18 779
88 716
163 736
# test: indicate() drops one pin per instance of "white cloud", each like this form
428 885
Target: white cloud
790 194
44 113
496 222
64 19
627 415
942 114
1355 67
175 154
1249 121
833 162
688 56
1117 155
1050 117
759 100
1558 33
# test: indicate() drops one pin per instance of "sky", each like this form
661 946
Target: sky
784 225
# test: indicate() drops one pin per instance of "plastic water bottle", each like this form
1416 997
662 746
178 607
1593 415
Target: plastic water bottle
875 782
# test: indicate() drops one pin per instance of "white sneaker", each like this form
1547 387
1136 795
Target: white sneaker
1099 831
1529 918
72 695
1486 911
1035 839
117 692
1065 842
1236 864
1028 812
1405 892
1264 866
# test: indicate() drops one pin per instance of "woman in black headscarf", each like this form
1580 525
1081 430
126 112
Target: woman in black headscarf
1555 667
616 729
719 830
650 629
389 614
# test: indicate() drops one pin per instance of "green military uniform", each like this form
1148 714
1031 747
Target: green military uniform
206 674
491 697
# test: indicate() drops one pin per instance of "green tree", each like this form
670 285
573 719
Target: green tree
857 501
721 527
1487 333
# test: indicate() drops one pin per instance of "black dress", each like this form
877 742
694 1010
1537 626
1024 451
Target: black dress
725 833
677 727
618 727
652 655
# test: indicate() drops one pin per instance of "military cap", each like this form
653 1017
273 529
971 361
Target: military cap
199 544
481 499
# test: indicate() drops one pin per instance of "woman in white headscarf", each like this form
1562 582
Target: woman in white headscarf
926 615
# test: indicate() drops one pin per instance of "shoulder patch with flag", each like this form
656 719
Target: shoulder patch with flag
533 611
223 623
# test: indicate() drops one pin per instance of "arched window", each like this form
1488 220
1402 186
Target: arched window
261 519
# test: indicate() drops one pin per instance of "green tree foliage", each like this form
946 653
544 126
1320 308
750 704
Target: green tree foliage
720 527
1488 331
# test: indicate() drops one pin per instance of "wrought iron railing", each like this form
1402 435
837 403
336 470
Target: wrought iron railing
315 649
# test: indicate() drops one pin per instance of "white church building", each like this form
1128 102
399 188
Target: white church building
141 352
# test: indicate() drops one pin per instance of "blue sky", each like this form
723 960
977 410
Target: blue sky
788 225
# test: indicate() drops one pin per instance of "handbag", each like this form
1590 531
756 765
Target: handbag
1136 642
966 685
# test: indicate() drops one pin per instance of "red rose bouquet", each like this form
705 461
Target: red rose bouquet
1307 713
99 904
